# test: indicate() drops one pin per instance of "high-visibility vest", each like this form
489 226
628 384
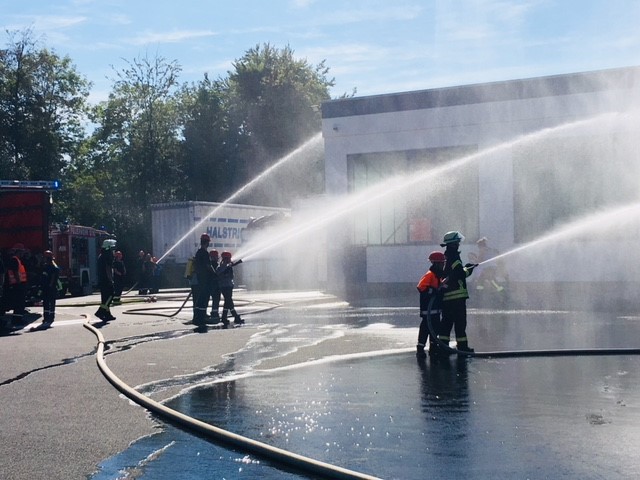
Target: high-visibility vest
19 276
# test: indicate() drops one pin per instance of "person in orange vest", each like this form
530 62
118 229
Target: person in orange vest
430 288
15 285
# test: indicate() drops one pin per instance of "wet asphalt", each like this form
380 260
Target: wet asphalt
60 416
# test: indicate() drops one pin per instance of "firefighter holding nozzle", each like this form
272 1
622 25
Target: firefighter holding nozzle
430 287
226 284
454 300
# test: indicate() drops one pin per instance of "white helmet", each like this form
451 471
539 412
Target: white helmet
109 243
452 237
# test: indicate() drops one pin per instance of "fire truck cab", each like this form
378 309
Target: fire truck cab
76 250
25 211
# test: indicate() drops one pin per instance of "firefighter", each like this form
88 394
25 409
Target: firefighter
454 299
105 280
225 277
15 285
119 272
204 272
430 287
215 287
49 287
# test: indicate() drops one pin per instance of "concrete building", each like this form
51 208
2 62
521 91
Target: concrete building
511 161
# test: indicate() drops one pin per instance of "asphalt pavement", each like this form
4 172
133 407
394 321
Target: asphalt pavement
60 416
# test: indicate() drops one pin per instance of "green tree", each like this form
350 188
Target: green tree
42 109
208 148
135 148
274 107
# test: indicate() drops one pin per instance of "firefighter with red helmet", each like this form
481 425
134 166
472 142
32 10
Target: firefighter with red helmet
454 300
430 288
204 273
214 256
49 286
225 279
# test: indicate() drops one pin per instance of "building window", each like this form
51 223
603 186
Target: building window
562 179
423 212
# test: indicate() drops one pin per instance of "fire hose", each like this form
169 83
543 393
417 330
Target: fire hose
445 348
263 450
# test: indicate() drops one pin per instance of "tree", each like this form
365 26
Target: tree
208 149
42 109
134 151
274 106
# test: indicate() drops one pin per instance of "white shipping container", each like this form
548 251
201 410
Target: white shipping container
176 227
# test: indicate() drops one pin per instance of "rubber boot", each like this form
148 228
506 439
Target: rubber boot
463 346
225 322
236 318
213 319
420 353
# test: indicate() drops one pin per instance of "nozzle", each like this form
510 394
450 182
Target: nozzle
237 262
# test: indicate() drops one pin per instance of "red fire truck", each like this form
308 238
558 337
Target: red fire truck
25 211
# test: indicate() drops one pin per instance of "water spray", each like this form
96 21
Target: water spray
400 183
619 216
287 158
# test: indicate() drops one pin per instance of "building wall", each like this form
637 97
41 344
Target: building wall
493 117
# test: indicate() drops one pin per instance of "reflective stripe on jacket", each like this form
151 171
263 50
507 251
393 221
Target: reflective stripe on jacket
456 281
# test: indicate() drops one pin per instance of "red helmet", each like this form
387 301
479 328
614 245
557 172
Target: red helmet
205 237
436 257
213 253
226 255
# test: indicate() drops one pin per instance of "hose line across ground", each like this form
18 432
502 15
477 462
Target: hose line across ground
575 352
284 457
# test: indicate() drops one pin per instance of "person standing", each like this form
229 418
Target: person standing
215 287
119 272
140 271
105 280
225 277
430 290
204 273
49 281
15 286
454 299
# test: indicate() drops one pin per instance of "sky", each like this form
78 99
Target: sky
372 46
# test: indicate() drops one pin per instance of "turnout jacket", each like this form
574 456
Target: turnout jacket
429 287
455 277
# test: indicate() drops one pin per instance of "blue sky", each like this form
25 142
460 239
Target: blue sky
375 46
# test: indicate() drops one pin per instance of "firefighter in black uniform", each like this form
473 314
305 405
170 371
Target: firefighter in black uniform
105 280
225 279
49 287
204 272
119 272
454 300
